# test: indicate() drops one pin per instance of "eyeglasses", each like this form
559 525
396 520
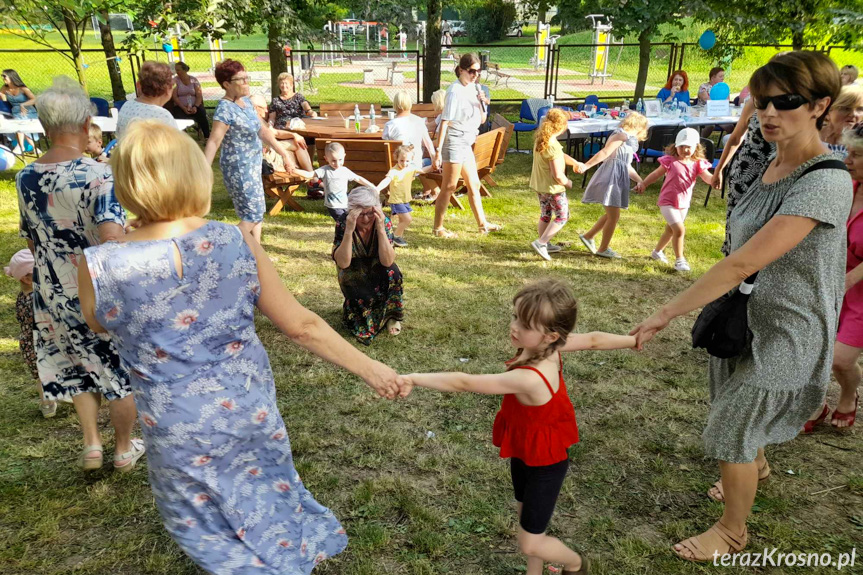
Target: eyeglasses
472 71
241 79
783 102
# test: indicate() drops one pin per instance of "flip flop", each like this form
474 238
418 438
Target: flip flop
849 417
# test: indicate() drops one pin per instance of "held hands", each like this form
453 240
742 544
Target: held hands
646 330
438 161
716 183
639 187
579 168
386 382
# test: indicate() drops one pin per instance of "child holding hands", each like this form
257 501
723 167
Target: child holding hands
335 177
548 179
399 180
610 185
536 422
683 163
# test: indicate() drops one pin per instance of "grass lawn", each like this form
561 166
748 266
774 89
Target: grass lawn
420 504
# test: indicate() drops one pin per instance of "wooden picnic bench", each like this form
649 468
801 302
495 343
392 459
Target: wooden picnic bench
333 109
371 159
282 185
493 70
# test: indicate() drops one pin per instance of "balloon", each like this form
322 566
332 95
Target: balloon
720 91
707 40
167 47
7 159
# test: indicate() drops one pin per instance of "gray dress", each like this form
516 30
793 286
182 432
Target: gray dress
766 394
610 185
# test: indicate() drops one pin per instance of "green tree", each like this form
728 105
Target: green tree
70 18
490 20
118 91
803 22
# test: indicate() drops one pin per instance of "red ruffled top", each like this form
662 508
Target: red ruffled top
536 434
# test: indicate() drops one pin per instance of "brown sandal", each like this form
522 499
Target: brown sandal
736 544
585 567
763 474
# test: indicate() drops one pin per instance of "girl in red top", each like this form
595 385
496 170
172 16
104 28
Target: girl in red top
536 421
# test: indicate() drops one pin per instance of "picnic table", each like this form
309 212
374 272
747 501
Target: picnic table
34 126
334 128
583 128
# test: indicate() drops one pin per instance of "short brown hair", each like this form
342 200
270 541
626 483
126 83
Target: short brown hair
810 74
155 79
161 174
713 71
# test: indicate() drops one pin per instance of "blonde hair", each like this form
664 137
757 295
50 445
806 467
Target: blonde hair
333 147
636 125
95 131
285 76
402 101
699 153
439 99
404 150
160 173
555 121
850 98
547 306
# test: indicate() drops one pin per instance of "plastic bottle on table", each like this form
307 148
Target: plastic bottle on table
372 115
357 118
640 107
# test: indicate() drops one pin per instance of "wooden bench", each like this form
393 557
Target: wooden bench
494 71
486 150
500 122
371 159
282 186
333 109
425 111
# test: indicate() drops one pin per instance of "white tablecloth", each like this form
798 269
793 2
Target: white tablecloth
592 125
107 124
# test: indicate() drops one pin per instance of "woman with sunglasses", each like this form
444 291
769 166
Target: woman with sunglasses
465 110
22 101
238 124
843 114
789 227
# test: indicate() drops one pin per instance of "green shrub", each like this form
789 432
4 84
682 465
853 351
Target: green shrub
489 20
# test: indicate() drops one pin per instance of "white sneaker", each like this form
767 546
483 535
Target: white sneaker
540 249
609 253
658 256
681 265
589 244
553 248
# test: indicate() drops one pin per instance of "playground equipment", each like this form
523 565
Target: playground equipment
544 41
216 54
602 39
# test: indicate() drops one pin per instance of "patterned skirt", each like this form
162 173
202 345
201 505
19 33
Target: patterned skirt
373 296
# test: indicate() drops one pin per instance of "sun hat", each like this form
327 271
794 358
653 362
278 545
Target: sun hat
20 265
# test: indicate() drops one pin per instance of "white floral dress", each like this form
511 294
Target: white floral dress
240 161
61 206
218 452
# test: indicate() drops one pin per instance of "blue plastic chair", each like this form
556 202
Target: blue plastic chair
5 108
107 149
102 106
520 126
119 104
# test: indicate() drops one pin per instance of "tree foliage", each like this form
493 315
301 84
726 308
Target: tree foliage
490 20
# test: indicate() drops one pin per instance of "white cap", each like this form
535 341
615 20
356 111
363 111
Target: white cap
687 137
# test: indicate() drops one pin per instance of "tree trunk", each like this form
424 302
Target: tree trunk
117 89
431 68
643 62
797 39
278 62
75 47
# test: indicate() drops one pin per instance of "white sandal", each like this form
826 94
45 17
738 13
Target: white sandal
128 460
90 463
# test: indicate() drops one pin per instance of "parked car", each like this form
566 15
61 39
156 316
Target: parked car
517 29
457 28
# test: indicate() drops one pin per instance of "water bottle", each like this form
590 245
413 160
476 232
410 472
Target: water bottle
357 118
551 101
640 107
625 104
372 115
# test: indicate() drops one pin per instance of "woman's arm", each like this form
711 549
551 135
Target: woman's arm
853 277
733 143
110 232
31 99
309 331
384 183
268 136
175 98
610 147
217 134
428 144
199 95
386 251
597 340
515 381
776 238
557 167
87 296
307 108
344 253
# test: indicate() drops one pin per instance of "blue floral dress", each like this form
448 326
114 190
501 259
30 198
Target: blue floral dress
61 205
240 161
218 452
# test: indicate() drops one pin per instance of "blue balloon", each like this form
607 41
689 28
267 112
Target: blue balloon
707 40
167 47
720 91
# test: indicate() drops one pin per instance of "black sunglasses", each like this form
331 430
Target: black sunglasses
783 102
472 71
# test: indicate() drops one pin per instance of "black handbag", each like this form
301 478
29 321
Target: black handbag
267 168
722 327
